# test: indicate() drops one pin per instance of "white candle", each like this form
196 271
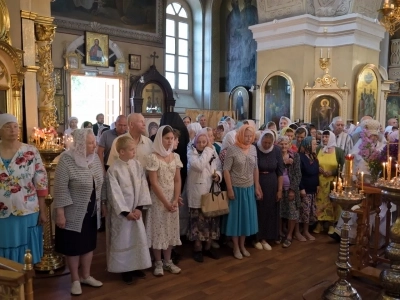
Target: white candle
362 180
334 186
328 52
389 167
386 1
321 53
384 164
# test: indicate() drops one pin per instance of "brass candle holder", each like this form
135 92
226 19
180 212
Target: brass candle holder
390 278
346 197
49 150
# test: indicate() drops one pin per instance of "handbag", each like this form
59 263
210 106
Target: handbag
215 203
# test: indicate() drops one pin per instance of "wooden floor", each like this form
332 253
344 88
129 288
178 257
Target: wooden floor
277 274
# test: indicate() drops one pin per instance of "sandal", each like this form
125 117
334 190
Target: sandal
286 243
280 240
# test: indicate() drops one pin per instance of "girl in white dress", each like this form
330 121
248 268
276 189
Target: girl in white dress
162 223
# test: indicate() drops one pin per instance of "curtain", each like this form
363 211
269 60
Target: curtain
212 116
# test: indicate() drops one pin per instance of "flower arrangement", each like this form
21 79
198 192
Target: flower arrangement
369 153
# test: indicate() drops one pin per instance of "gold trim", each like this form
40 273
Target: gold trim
45 32
378 90
44 20
262 94
72 61
32 69
28 15
15 54
4 23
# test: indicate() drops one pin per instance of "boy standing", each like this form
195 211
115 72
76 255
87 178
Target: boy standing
128 192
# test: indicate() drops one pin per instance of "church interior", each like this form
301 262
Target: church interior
308 60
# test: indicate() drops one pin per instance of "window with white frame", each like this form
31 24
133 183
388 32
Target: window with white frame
178 44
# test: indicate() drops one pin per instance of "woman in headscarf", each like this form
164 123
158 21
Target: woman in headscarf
284 122
23 188
87 124
79 178
72 125
331 160
241 177
193 129
204 167
221 131
289 132
162 222
291 196
270 168
309 184
231 122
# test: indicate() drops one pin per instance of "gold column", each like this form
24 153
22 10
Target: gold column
45 30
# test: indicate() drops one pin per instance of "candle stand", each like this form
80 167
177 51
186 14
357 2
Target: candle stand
49 150
390 278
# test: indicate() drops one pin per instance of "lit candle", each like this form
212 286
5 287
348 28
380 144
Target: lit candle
321 53
334 186
386 1
396 169
348 167
384 164
362 180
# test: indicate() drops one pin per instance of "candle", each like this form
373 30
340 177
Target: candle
321 53
334 186
389 168
396 169
386 1
328 52
362 180
348 169
383 164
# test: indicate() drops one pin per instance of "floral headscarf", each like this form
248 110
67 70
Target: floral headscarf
158 145
240 136
306 146
259 143
78 149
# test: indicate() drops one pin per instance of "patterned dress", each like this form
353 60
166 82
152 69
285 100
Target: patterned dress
162 226
290 206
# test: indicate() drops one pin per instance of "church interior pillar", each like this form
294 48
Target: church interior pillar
45 31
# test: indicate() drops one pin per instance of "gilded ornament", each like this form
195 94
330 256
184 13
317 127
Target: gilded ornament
45 32
4 23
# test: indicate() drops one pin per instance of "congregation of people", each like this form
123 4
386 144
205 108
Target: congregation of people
146 192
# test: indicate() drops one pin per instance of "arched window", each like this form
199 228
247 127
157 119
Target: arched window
178 58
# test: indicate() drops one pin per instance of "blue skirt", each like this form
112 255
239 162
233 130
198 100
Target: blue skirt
242 217
21 233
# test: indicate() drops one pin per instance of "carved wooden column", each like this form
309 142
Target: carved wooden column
45 30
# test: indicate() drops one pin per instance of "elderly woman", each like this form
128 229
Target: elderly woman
241 177
72 125
270 167
23 188
330 158
291 196
79 179
309 184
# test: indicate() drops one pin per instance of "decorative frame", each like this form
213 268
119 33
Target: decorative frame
263 87
129 34
392 106
153 105
367 79
96 48
59 80
120 67
240 102
151 121
326 89
72 61
60 105
135 62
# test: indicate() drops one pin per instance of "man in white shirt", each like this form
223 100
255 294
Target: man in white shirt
137 128
343 140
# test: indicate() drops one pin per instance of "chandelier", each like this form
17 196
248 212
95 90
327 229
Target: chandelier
391 16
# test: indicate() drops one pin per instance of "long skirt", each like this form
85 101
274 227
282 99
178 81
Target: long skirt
308 209
20 233
202 228
242 217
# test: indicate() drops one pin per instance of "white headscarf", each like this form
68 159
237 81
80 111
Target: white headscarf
331 141
231 122
7 118
69 129
287 120
158 145
196 127
78 149
229 139
259 143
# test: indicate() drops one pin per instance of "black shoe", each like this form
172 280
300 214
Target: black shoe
198 256
127 278
211 253
138 274
335 236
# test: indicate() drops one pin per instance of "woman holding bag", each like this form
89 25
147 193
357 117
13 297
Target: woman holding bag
204 167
